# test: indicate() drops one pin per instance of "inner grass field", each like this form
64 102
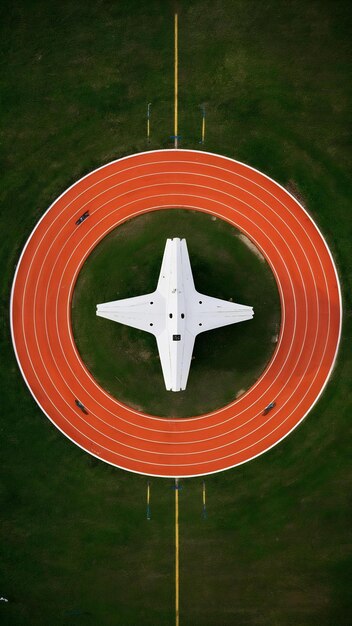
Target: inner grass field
125 361
76 548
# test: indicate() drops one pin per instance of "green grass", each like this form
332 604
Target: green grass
127 263
76 79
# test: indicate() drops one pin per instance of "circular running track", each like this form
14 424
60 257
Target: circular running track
310 316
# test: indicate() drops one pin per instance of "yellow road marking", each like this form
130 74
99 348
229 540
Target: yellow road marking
177 591
176 82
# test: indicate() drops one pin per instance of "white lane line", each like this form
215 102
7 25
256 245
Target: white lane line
73 280
325 278
241 425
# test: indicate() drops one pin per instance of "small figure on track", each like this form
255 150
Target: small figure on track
81 406
268 408
82 218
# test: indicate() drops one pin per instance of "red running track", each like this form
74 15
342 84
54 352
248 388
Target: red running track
279 227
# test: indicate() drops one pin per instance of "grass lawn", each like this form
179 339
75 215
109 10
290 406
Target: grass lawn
127 263
76 78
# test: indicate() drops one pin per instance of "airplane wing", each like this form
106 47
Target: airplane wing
143 312
175 359
209 313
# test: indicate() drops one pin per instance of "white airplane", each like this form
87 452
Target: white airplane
175 314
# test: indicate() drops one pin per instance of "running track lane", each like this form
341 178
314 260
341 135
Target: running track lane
256 205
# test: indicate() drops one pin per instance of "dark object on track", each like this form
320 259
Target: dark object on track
82 218
269 407
81 406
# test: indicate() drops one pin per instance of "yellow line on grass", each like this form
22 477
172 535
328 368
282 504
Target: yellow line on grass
176 82
148 121
177 569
